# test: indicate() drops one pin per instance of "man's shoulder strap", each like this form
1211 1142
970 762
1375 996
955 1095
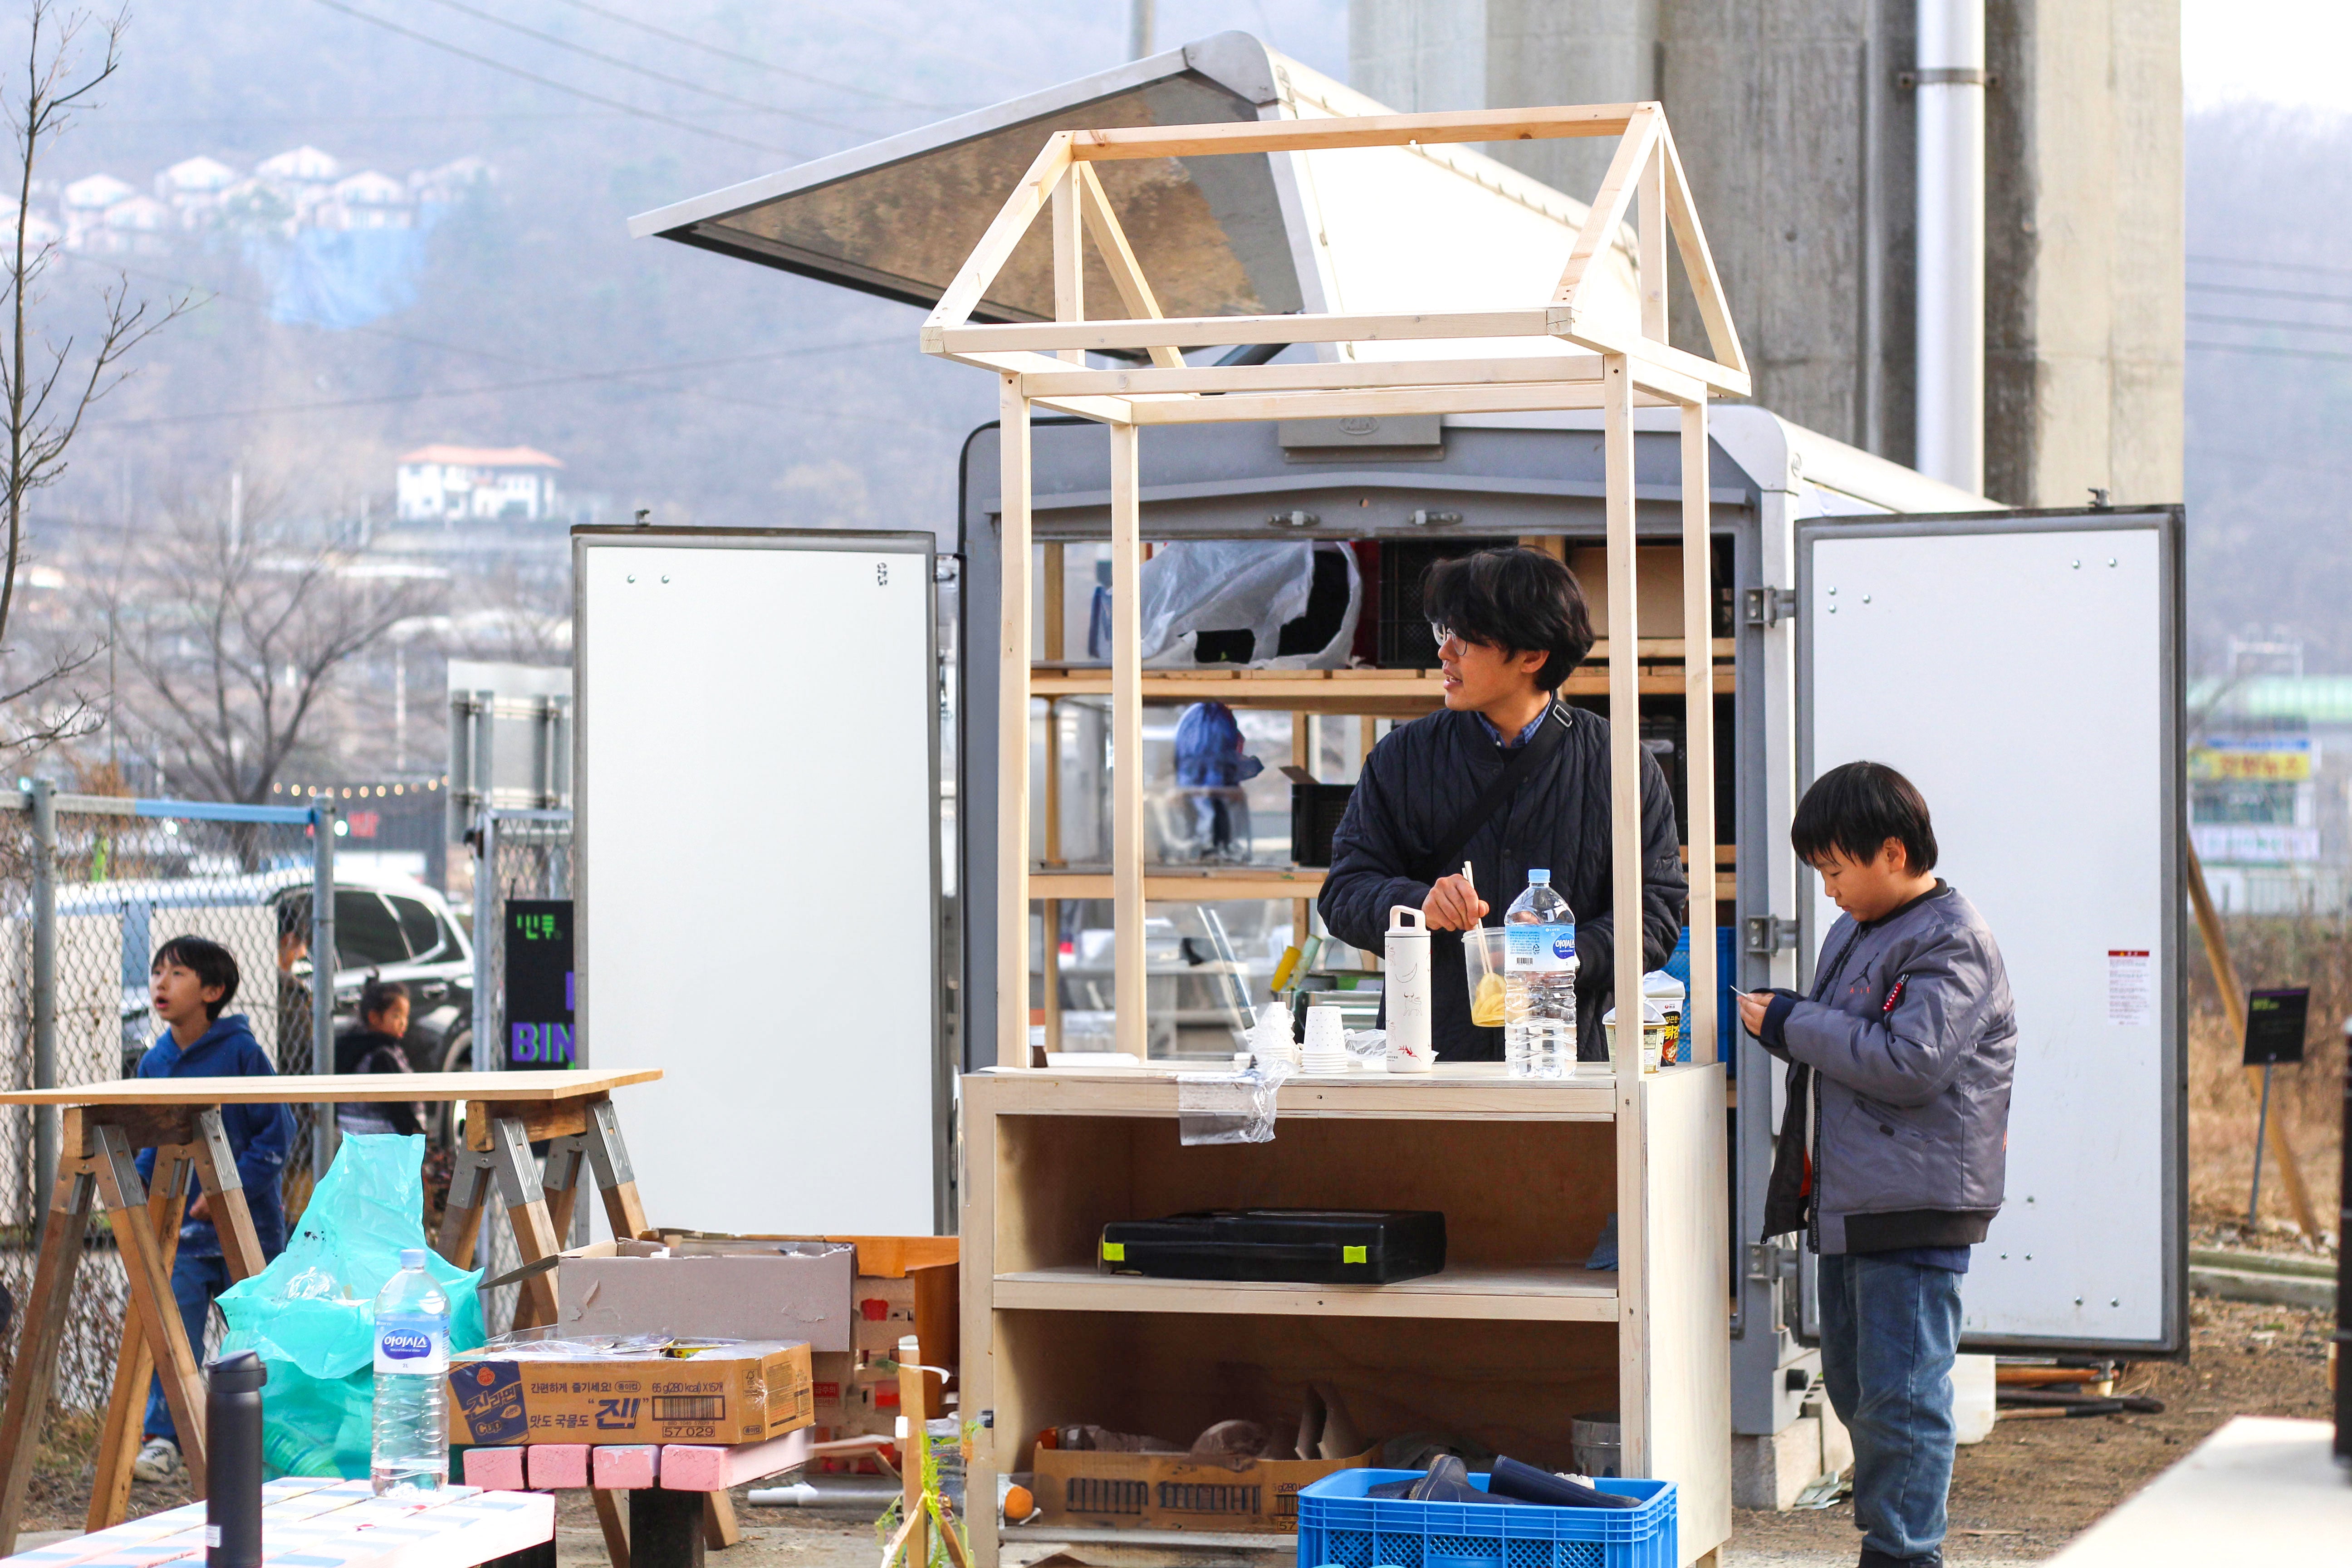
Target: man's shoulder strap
1516 765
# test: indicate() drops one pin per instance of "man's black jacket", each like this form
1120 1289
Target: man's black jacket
1416 786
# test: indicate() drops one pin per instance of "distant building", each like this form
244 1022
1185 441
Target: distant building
450 182
2269 811
136 226
191 188
366 200
456 484
85 202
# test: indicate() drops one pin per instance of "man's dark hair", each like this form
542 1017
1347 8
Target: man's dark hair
1855 808
209 961
378 994
1518 600
294 919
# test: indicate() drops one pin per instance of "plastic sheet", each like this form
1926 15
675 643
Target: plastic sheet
311 1315
1236 585
1229 1108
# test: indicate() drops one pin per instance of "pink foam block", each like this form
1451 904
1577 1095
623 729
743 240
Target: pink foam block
629 1466
692 1468
554 1464
495 1469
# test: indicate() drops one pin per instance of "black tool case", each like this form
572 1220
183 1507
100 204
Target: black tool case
1310 1247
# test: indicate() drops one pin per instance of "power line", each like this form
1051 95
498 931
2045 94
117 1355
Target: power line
628 21
2271 352
2275 266
2255 291
647 71
431 42
2258 321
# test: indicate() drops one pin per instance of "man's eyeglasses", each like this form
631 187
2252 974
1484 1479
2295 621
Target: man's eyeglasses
1443 635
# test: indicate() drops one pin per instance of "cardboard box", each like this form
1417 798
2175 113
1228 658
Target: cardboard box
725 1394
750 1291
1175 1491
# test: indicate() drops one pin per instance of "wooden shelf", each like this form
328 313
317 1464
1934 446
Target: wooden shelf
1467 1090
1182 885
1375 693
1189 1541
1550 1295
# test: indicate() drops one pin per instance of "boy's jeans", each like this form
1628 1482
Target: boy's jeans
1888 1332
195 1280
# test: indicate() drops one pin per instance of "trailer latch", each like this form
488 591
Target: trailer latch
1767 607
1293 518
1768 934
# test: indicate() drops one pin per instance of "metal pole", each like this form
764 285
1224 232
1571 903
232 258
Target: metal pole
489 1051
1139 28
45 977
322 977
2262 1125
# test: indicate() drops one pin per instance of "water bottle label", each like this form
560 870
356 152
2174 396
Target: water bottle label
1539 949
417 1344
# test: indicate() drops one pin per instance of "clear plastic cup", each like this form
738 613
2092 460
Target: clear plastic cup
1482 964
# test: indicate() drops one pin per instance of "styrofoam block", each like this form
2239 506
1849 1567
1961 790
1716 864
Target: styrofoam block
696 1467
626 1466
495 1469
553 1464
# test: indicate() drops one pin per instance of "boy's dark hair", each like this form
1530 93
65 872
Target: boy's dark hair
1855 808
209 961
294 919
378 994
1519 600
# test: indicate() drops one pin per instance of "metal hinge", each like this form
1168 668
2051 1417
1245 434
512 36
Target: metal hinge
1768 934
1947 76
944 568
1768 1261
1425 519
1294 519
1767 606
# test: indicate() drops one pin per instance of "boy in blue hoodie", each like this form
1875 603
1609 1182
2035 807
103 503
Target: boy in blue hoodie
192 980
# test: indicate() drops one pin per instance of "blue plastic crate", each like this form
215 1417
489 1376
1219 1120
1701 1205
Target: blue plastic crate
1341 1526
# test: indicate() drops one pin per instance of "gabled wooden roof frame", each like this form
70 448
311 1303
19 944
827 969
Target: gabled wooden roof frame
1645 175
1614 371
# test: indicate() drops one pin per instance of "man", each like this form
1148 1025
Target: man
1210 767
1510 625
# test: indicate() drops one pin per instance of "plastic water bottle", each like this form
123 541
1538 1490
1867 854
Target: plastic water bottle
411 1446
1539 981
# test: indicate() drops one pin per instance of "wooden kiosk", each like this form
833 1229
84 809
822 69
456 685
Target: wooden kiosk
1512 1339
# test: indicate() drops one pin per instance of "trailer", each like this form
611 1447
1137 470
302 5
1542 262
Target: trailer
2022 667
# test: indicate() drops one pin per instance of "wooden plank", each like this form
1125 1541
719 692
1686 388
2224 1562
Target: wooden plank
152 1305
719 1530
996 245
1651 234
1607 211
1669 372
1358 131
1431 372
1127 741
1698 731
997 1449
915 1414
1625 902
225 1198
1013 653
126 1400
1503 397
1069 260
516 1087
1547 1295
1209 331
1698 261
1686 1356
612 1520
1179 887
43 1319
1119 257
1466 1092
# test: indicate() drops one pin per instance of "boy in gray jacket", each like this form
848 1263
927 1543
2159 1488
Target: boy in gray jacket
1891 1151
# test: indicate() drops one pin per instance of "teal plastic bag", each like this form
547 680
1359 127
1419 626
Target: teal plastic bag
311 1315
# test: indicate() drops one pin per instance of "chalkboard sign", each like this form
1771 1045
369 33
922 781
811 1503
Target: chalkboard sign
2274 1021
539 983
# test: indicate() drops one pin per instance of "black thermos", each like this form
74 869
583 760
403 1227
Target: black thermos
233 1460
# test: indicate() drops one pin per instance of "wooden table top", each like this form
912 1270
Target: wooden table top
542 1086
329 1524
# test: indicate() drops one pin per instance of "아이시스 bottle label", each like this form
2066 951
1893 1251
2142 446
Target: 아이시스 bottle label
1539 949
416 1344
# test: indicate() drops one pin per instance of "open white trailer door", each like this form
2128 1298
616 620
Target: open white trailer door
2022 668
759 872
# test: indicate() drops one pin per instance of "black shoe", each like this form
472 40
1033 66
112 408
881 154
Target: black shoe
1872 1557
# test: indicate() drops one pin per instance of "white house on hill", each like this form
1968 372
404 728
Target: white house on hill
456 484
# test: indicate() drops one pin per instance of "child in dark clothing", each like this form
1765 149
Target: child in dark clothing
192 980
375 1047
1892 1151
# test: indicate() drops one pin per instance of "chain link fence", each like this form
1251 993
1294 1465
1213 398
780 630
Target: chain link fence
120 878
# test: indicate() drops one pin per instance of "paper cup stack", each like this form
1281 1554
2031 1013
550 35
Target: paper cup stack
1327 1042
1270 1039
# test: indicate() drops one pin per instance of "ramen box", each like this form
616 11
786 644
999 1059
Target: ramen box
745 1392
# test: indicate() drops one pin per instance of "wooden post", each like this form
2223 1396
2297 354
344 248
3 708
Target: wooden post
2234 1003
1050 957
1625 899
1069 260
915 1412
1131 1033
1012 735
1304 755
1698 711
126 1402
44 1320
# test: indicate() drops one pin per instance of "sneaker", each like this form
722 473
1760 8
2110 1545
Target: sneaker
158 1460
